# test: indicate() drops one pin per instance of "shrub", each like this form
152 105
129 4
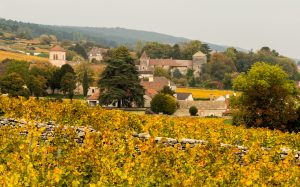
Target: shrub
163 103
193 111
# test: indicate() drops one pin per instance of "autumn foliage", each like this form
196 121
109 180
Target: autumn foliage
109 158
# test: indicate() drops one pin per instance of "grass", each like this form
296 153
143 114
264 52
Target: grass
19 56
59 96
203 94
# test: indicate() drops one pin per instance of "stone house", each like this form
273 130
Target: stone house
93 100
147 64
97 54
153 85
57 56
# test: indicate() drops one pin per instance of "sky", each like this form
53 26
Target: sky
250 24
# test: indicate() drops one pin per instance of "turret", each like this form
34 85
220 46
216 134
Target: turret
198 60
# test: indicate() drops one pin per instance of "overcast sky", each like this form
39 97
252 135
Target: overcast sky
249 24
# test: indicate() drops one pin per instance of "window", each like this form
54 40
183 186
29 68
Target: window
93 90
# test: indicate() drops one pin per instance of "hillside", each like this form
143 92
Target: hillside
20 56
110 37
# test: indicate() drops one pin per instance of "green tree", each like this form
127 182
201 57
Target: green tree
119 83
177 74
86 80
79 49
167 90
68 84
161 72
268 97
163 103
156 50
190 48
37 85
13 85
176 53
55 79
193 111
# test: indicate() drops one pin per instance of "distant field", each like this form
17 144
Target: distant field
18 56
204 93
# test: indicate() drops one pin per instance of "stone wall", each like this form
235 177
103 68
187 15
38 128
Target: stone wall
205 108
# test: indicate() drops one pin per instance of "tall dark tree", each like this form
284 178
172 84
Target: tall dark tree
119 83
176 54
85 83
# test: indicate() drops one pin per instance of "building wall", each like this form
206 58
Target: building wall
98 58
197 64
57 58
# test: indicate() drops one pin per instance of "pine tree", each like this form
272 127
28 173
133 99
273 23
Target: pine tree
119 83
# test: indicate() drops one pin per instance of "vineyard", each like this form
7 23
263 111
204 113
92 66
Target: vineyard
110 158
19 56
204 93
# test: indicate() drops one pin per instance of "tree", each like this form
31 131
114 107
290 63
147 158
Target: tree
86 83
177 74
167 90
268 97
13 85
54 82
68 84
218 66
119 83
162 103
176 53
193 111
161 72
37 85
190 48
156 50
79 49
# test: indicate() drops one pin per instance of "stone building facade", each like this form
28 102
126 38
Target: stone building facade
97 54
57 56
147 64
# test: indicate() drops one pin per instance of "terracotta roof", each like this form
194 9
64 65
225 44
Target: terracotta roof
57 48
199 54
95 96
151 92
144 55
170 62
157 84
183 96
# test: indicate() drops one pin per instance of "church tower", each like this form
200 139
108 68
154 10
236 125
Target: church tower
144 62
198 60
57 56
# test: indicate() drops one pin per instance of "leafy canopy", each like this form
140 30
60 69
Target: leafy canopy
268 98
119 83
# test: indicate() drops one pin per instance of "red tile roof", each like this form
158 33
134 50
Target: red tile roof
57 48
152 88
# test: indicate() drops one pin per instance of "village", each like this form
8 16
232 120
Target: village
215 106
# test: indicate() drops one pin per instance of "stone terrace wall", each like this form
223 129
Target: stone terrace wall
205 108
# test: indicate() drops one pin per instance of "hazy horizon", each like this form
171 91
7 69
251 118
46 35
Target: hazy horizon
250 24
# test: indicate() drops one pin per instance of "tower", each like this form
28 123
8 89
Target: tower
144 62
199 59
57 56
